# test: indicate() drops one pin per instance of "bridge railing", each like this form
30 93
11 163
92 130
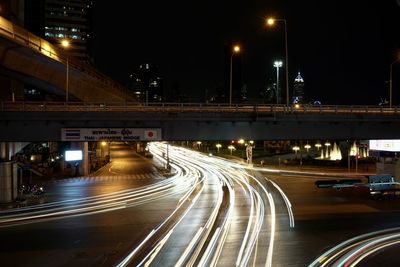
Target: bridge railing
259 109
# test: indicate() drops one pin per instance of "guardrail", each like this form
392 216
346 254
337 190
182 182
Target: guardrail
18 106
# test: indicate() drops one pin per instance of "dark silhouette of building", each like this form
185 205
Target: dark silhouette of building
62 20
268 93
146 83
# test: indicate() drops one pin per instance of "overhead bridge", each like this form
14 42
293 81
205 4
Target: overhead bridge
44 121
33 60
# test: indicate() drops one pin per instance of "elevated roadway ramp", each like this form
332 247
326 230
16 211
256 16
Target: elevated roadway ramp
33 60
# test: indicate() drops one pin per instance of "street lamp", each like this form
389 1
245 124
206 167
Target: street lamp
236 49
391 81
218 147
231 147
198 145
318 145
65 44
271 22
277 65
295 149
307 146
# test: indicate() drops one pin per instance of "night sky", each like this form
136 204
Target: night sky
343 49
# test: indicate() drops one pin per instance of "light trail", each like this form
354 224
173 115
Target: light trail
287 202
194 174
160 228
234 176
351 252
181 182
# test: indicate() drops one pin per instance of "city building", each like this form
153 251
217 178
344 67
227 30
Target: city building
298 89
58 20
146 83
267 94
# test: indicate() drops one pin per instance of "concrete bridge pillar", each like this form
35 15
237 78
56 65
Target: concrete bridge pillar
8 181
9 149
4 151
85 160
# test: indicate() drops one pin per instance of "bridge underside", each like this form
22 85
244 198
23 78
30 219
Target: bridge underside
46 126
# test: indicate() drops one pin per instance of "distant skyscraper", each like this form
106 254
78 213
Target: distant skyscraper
298 89
56 20
267 93
146 83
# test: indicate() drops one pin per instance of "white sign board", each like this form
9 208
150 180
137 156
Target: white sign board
385 145
73 155
110 134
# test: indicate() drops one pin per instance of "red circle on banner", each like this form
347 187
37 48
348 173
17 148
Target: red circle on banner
150 134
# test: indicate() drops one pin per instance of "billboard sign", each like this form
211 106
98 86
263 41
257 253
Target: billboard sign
73 155
110 134
385 145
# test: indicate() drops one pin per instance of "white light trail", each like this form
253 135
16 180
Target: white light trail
287 202
348 247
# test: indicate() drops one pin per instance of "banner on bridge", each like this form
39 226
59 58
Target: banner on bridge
110 134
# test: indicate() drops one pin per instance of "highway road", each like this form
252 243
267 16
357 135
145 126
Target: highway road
210 212
93 221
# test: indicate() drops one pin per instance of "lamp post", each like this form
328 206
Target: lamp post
271 22
277 65
295 149
198 145
318 145
218 147
236 49
391 81
231 148
65 44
